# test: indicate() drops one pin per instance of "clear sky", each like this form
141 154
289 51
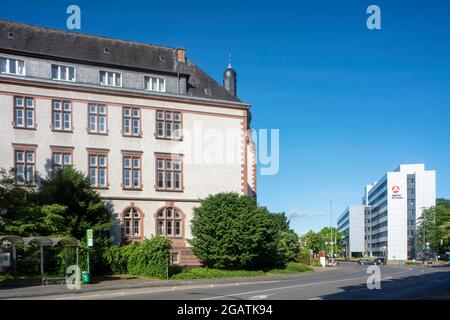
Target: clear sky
350 103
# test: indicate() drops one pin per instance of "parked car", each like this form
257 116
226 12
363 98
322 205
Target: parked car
366 262
380 261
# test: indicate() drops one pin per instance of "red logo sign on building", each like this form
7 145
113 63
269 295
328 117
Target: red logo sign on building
395 189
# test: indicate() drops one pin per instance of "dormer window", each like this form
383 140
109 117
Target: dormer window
107 50
162 58
155 84
12 66
108 78
63 73
208 91
11 35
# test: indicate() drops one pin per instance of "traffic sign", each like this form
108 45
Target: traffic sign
90 237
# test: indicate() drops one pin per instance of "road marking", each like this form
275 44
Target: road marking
281 288
317 298
295 286
261 297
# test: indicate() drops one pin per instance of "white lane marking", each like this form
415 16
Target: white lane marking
261 297
280 288
317 298
294 286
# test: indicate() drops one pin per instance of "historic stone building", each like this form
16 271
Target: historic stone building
153 132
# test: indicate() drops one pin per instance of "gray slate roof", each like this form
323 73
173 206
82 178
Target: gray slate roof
89 49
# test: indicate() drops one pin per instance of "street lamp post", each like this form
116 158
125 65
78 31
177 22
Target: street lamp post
331 229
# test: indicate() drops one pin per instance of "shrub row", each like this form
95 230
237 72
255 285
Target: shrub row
149 258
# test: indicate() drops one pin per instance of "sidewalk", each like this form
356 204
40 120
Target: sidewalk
136 283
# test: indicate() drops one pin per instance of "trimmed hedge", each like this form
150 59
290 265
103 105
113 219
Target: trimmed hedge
207 273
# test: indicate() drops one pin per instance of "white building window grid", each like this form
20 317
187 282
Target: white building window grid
132 223
169 174
132 172
12 66
169 223
111 79
61 115
63 73
24 112
97 118
131 121
98 170
168 125
25 166
156 84
61 159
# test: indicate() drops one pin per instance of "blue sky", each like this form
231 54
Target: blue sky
350 103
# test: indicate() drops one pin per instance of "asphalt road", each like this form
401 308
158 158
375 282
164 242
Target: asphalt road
349 281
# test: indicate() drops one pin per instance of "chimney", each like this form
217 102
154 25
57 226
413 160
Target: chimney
181 55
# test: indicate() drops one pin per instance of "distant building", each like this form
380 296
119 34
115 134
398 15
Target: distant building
122 112
351 225
390 212
397 202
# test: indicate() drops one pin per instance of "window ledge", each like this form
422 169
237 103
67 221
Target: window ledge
25 128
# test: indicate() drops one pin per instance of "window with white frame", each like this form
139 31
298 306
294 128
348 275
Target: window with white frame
168 125
169 222
155 84
168 174
24 166
61 158
108 78
131 223
24 112
64 73
97 118
12 66
61 115
132 171
131 119
98 169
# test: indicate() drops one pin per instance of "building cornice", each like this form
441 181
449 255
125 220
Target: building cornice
128 93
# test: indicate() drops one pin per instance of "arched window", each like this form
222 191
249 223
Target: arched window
132 223
169 222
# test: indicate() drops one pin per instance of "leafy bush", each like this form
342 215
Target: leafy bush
292 267
305 256
150 258
116 257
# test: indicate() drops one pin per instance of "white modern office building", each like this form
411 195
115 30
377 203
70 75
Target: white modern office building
351 225
385 223
396 203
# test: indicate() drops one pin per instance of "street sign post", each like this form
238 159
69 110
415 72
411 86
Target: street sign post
90 237
90 244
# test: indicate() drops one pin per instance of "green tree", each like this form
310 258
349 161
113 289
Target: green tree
312 241
327 234
231 232
70 205
288 245
18 214
434 227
